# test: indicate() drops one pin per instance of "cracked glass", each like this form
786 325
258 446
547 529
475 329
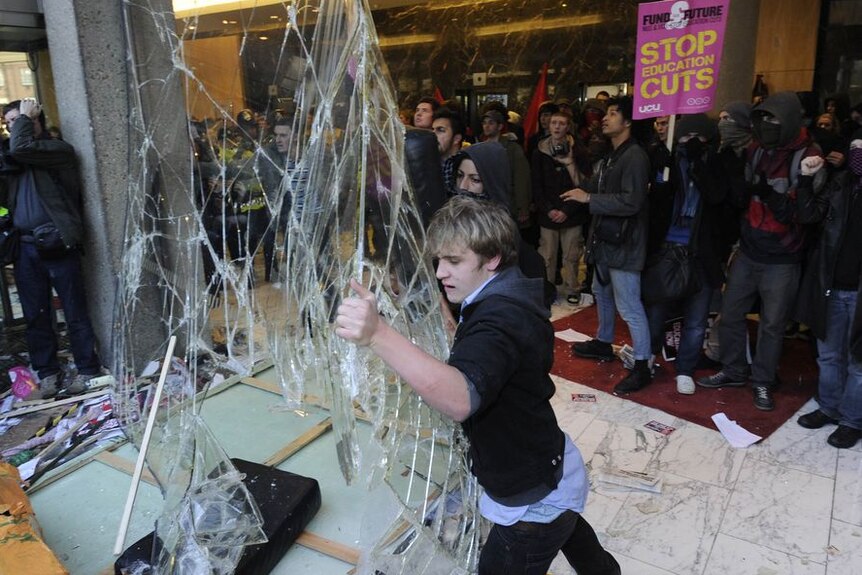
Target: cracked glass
267 169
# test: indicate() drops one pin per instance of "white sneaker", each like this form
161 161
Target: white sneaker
684 385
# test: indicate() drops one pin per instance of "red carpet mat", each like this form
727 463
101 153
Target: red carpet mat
798 375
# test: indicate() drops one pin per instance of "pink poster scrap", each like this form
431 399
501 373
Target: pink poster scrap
678 56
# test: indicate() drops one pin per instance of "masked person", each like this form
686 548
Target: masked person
772 247
689 217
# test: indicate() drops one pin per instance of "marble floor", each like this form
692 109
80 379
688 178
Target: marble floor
789 505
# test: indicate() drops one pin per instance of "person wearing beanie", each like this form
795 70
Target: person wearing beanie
829 296
494 130
772 246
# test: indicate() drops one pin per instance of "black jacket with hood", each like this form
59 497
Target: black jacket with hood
505 346
55 174
770 229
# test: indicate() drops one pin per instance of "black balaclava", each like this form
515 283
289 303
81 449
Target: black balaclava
786 111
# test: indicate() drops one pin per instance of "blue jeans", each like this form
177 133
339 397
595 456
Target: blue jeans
527 548
695 311
34 278
623 293
776 284
840 377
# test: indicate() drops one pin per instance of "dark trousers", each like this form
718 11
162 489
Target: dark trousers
776 285
529 548
695 312
34 278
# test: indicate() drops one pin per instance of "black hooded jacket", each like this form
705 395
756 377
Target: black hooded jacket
505 346
492 163
770 230
55 174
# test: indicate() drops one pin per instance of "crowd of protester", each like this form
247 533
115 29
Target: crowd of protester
760 203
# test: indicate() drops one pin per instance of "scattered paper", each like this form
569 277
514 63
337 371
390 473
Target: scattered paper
622 479
659 427
151 369
9 423
28 468
571 336
584 397
736 435
7 403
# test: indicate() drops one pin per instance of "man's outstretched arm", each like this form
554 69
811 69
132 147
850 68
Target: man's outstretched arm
440 385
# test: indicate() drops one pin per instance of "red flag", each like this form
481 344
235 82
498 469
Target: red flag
438 95
531 122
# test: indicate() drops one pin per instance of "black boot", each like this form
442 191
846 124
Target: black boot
638 378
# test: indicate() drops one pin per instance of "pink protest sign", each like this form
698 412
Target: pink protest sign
678 55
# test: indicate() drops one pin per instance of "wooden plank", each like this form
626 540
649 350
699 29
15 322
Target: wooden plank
122 464
299 443
261 384
70 467
49 403
329 547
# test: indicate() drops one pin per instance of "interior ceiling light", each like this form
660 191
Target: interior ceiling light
457 4
539 24
187 8
406 40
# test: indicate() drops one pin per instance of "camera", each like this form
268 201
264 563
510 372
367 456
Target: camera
561 149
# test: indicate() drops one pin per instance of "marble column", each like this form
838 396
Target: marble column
736 76
87 42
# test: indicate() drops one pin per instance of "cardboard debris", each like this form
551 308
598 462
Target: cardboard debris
21 547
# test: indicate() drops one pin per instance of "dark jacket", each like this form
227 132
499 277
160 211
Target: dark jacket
619 189
505 346
550 179
711 243
831 208
770 231
55 173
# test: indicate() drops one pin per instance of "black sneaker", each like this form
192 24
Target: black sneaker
815 420
844 437
720 379
638 378
594 349
763 398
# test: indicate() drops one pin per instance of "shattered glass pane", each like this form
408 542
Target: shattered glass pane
250 208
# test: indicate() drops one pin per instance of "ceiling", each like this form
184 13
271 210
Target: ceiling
22 26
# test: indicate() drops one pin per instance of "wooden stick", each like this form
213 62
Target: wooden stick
122 464
259 383
145 443
671 127
299 443
49 403
329 547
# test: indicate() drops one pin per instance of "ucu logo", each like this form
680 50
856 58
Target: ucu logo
649 108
